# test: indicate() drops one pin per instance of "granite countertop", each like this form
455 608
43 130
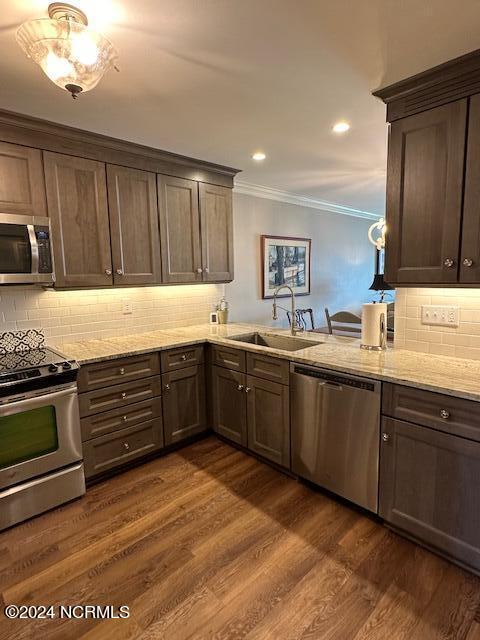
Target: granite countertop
452 376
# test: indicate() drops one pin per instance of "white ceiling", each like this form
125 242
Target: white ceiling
219 79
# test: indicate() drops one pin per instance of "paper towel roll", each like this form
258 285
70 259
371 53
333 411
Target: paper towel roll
374 326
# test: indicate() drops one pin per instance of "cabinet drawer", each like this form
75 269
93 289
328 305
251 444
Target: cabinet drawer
268 368
109 421
115 449
183 357
435 410
103 374
120 395
229 358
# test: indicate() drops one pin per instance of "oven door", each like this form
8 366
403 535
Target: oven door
19 250
38 434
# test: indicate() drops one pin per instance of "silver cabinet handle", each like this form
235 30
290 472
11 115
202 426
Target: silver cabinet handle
167 387
108 272
126 446
449 262
240 387
183 357
207 270
199 270
444 414
124 418
467 262
385 437
124 395
248 389
119 272
121 371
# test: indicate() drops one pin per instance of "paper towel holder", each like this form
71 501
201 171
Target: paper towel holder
382 337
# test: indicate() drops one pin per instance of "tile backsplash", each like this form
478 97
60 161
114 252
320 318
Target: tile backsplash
461 342
69 316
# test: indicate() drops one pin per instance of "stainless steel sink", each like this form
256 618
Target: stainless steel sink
274 341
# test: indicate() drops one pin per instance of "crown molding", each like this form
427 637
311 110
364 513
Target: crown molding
269 193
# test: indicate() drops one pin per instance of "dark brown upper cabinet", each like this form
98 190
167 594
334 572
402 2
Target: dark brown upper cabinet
216 223
470 248
433 176
424 196
135 238
179 230
78 207
22 185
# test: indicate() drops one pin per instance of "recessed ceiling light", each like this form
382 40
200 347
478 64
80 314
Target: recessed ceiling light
340 127
259 156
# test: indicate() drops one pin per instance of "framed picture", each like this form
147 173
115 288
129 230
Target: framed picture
285 261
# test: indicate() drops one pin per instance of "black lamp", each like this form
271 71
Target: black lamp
379 283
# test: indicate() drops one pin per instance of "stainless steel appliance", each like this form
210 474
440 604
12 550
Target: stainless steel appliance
25 253
336 431
40 444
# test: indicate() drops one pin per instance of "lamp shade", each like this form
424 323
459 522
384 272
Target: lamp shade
379 283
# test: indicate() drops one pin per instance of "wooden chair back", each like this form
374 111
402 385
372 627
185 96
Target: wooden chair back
343 321
303 317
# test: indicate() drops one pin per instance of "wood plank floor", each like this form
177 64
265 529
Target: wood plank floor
208 542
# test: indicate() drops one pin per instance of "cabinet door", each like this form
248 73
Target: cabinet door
77 204
229 404
424 196
268 413
184 406
430 488
216 223
179 229
22 184
470 253
132 198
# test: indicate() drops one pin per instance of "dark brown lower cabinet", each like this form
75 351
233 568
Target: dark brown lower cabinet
229 407
184 403
268 417
119 447
430 488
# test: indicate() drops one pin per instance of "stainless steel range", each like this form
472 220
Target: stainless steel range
40 444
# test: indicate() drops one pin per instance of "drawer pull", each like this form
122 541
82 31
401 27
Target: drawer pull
183 357
248 389
167 387
126 446
240 387
444 414
121 371
124 395
385 437
124 418
467 262
448 262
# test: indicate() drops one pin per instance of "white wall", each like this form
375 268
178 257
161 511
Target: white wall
69 316
342 258
461 342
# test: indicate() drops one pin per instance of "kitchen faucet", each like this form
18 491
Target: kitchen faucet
294 327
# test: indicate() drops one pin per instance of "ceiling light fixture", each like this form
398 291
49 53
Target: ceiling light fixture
259 156
340 127
71 54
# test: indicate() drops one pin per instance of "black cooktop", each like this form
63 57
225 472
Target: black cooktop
19 360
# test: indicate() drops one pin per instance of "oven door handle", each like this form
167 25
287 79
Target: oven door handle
33 248
35 400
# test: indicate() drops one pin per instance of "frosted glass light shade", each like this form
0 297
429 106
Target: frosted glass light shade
73 56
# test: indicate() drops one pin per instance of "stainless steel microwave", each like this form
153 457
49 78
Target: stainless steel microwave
25 252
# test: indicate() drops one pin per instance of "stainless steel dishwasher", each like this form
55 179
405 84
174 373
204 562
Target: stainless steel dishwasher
335 432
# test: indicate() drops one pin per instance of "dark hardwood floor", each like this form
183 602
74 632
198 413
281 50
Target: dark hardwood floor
208 542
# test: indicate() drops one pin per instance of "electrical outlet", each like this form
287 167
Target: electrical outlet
437 315
127 307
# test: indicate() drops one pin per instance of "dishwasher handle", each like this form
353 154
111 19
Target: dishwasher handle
333 380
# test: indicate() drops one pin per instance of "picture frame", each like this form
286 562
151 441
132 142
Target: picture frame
294 255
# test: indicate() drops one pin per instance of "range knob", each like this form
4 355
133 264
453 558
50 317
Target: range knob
53 368
66 365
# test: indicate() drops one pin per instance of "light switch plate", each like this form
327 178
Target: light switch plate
439 315
127 307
